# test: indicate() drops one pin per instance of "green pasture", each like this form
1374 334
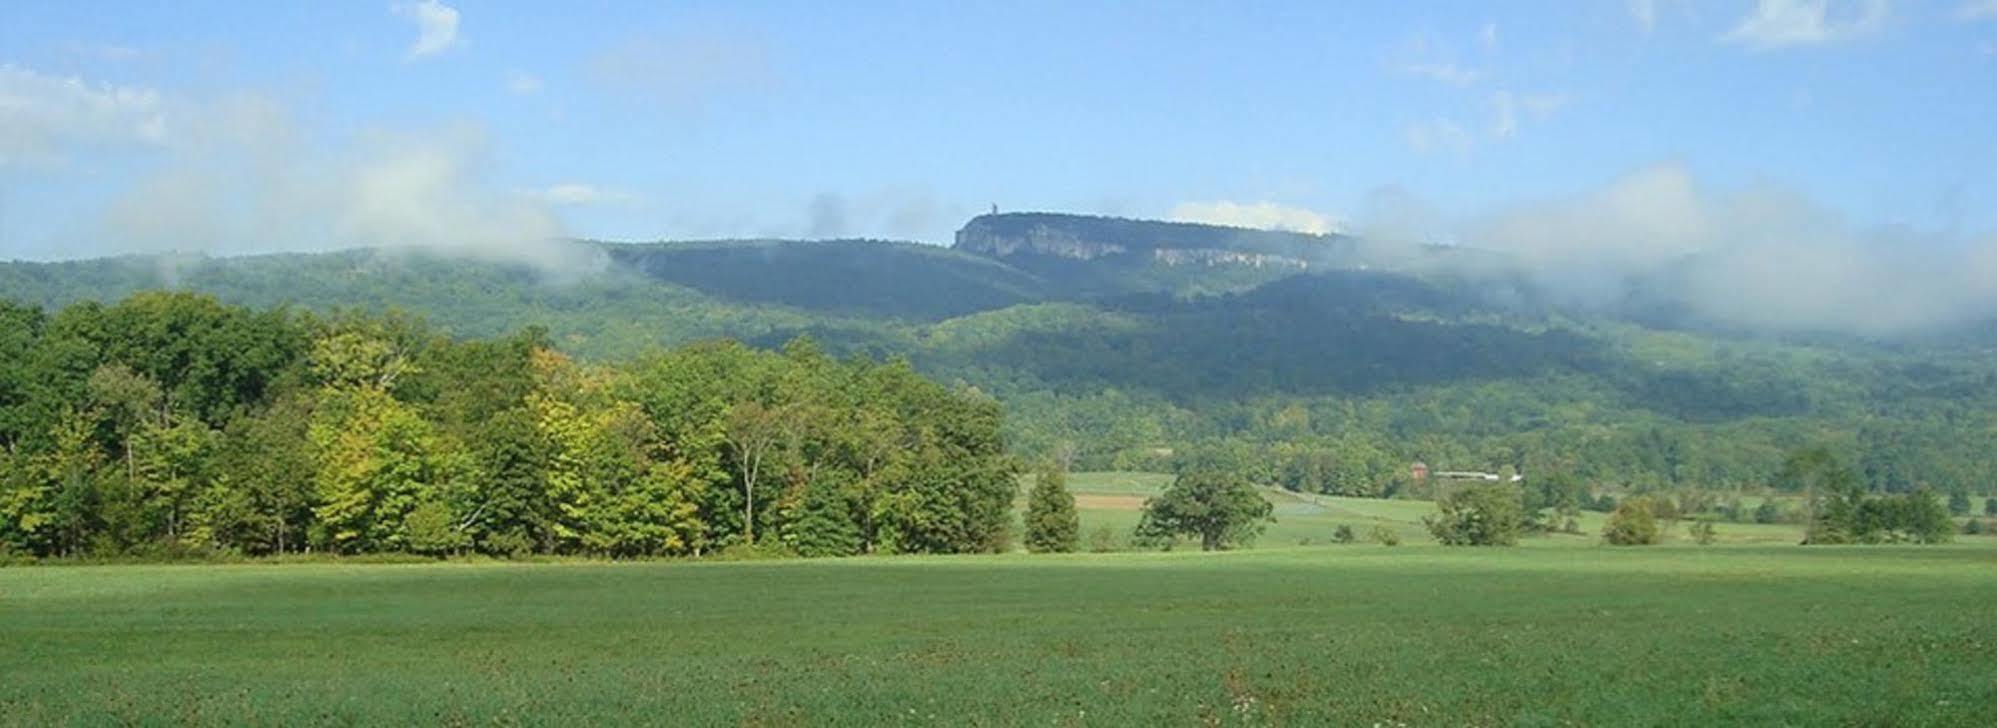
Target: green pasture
1563 631
1345 635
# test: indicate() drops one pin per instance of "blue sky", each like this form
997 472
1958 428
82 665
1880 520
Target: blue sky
234 126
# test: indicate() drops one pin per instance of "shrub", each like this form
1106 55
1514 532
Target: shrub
1385 536
429 530
1973 528
1102 540
1958 503
1342 534
1603 504
1481 514
510 544
1768 512
1990 506
1703 533
1634 523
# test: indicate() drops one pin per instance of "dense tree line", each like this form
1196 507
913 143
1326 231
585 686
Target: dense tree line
171 424
1842 511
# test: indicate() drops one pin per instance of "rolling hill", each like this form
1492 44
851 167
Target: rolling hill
1129 344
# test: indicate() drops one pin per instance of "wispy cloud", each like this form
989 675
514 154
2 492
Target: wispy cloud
44 117
102 51
239 172
570 194
1489 36
1788 23
523 83
1449 73
1763 256
1438 136
436 26
1974 10
1508 107
1261 215
1645 14
1424 57
684 71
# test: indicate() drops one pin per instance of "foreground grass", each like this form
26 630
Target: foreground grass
1339 635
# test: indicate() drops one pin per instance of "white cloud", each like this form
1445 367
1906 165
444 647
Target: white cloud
1437 136
238 174
1786 23
1645 13
436 26
1258 215
258 184
423 192
1507 107
1977 10
44 117
522 83
1448 73
577 193
1489 36
1761 256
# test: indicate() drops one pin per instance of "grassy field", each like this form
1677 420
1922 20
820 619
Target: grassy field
1559 632
1351 635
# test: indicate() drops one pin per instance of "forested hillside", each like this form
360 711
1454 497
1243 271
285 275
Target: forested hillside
1118 344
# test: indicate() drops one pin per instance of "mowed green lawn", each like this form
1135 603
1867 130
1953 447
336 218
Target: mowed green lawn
1349 635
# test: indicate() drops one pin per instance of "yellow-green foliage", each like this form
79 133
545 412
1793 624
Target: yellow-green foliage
1634 523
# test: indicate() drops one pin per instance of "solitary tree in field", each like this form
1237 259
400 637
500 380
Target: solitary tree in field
1221 509
1051 523
1481 514
1633 524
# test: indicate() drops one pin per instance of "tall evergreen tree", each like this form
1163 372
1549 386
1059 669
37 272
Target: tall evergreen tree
1052 526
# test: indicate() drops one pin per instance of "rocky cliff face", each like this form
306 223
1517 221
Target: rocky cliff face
1080 237
1035 238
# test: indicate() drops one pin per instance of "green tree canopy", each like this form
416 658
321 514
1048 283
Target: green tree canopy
1478 514
1221 509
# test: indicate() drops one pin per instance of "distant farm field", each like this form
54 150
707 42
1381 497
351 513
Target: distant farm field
1343 635
1113 500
